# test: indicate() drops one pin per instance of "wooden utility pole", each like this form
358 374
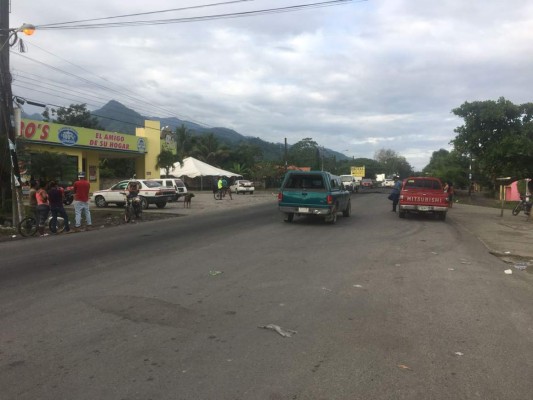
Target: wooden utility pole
7 118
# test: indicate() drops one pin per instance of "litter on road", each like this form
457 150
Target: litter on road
278 329
520 266
215 273
508 271
403 366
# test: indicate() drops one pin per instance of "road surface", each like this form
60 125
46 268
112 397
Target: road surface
382 307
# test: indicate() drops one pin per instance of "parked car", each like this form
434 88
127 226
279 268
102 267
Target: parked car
388 183
242 186
367 183
175 183
151 193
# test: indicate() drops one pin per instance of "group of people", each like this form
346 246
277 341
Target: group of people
223 185
44 199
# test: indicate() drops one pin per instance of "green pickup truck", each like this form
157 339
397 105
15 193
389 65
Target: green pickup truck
313 193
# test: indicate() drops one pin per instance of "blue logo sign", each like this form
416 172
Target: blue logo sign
141 145
67 136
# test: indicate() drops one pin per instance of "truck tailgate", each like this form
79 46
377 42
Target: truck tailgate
302 198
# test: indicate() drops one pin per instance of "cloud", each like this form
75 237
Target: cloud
358 77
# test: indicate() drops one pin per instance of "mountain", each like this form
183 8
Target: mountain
116 117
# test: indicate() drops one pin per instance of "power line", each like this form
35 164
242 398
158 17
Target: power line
147 13
132 98
202 18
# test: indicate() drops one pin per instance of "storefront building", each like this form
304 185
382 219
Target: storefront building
87 147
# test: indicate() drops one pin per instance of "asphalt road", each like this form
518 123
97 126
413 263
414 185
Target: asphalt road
383 307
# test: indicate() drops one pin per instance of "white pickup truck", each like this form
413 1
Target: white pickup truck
350 183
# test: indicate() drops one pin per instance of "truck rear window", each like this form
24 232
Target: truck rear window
423 184
304 182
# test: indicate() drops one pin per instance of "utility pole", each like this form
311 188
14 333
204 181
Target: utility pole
7 118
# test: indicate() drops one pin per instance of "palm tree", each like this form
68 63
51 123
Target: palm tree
166 160
208 149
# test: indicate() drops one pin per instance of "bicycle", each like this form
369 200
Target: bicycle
221 193
28 226
523 205
218 194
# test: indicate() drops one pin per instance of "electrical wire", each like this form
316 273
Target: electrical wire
201 18
103 87
147 13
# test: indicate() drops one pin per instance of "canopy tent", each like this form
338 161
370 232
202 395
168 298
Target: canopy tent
192 168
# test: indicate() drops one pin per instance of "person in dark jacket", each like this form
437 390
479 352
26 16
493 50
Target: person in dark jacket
55 199
395 195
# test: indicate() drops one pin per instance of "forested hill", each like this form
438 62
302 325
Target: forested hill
116 117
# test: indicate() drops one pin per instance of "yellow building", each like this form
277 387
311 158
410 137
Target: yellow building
88 146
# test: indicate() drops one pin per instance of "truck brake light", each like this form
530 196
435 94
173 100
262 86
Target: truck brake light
280 196
329 199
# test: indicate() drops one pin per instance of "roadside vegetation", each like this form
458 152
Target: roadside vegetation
495 141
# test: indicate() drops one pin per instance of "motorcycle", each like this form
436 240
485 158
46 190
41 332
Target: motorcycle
68 197
132 208
523 205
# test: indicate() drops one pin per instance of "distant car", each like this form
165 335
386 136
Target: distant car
151 193
350 183
388 183
242 186
367 183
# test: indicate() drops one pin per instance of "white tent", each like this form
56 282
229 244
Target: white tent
193 168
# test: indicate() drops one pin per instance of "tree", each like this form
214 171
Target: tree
184 142
166 160
240 169
207 148
74 115
305 153
268 172
245 154
48 166
498 135
449 166
392 163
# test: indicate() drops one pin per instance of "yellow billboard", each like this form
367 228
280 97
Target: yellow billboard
358 171
51 133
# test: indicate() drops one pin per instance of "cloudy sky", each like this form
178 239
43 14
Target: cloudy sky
355 77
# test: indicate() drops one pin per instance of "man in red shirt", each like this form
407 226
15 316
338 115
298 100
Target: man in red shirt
81 201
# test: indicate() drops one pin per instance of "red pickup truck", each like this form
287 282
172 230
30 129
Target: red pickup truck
423 195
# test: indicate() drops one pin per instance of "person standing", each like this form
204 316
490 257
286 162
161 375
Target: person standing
395 195
56 195
81 201
43 209
33 200
225 185
450 191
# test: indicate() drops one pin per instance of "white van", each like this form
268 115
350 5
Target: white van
350 183
175 183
